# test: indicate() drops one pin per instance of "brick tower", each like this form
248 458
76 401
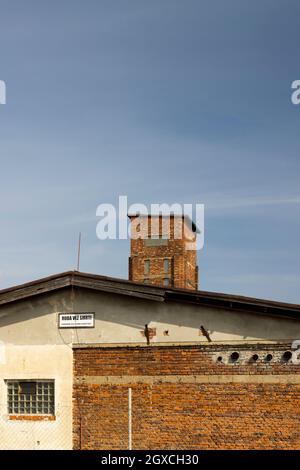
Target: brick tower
163 251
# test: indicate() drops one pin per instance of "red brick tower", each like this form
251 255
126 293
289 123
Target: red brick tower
163 251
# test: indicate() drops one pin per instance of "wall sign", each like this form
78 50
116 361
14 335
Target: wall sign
76 320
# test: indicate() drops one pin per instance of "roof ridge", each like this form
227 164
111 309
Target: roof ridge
150 292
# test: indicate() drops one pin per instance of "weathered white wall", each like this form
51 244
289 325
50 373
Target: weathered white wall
38 362
121 319
31 348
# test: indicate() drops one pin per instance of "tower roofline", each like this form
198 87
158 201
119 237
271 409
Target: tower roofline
171 215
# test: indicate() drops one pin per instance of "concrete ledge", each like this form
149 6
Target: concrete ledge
188 379
201 344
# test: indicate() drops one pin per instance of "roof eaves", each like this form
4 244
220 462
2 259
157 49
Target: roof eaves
34 288
236 303
131 289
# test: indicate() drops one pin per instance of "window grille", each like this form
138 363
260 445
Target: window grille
30 397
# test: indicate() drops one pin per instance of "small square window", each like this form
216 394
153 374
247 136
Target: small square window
27 388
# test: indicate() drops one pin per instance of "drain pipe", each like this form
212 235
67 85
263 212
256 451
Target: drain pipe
129 419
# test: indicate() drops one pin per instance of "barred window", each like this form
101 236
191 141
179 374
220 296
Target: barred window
30 397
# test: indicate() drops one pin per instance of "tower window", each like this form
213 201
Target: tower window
166 281
147 266
166 265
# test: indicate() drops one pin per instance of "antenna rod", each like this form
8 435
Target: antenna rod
78 252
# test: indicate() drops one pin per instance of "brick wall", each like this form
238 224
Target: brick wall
186 398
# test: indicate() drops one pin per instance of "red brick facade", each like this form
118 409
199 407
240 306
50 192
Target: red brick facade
186 397
169 258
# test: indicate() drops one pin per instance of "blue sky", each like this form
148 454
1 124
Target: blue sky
162 101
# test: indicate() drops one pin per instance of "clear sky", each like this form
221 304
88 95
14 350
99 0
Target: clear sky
162 101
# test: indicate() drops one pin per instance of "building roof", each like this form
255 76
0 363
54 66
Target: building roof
155 293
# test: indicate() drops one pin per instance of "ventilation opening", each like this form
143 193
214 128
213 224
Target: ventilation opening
269 357
254 358
286 356
220 359
234 357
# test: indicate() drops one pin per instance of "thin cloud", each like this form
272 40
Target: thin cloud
249 202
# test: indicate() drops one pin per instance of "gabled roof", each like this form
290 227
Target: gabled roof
154 293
